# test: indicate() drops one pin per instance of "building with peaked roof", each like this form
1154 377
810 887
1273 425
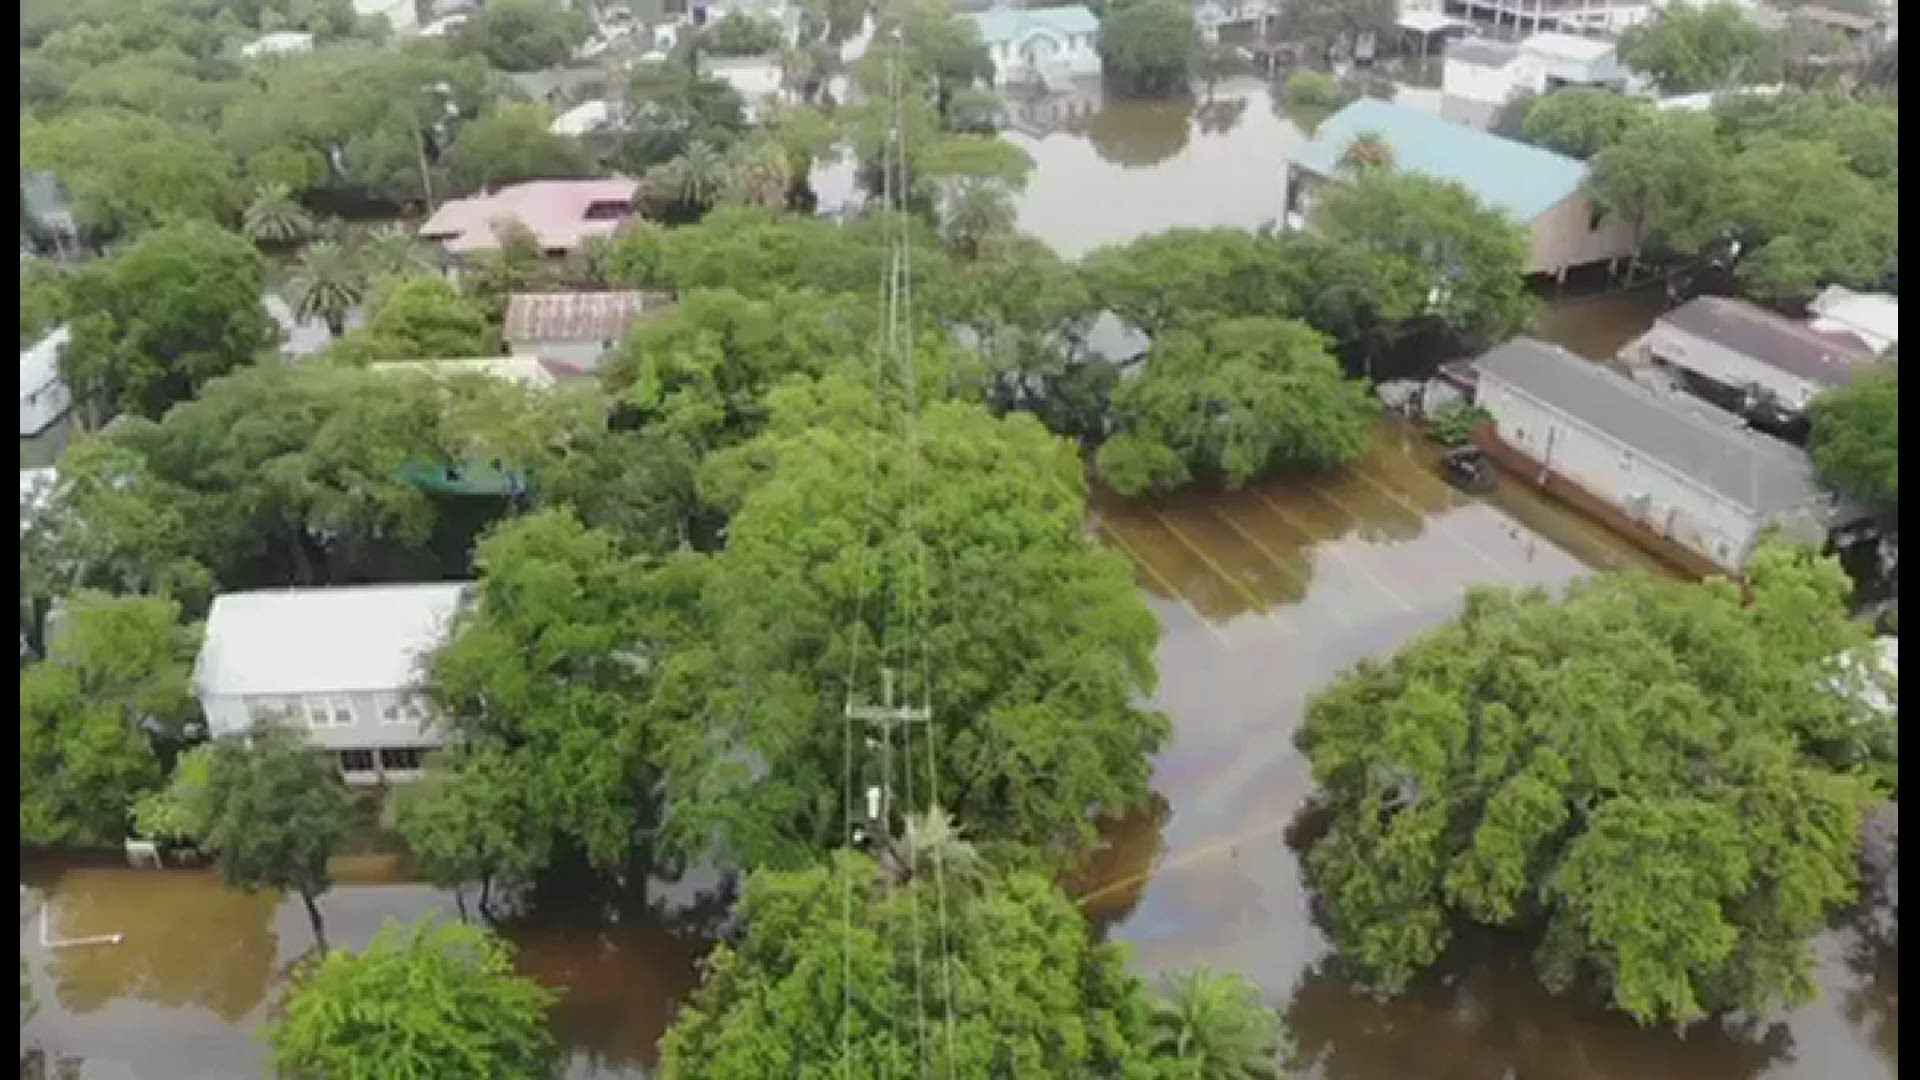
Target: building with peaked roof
597 117
576 328
1040 45
1872 318
561 215
1479 76
1540 189
44 397
346 665
1676 467
1742 351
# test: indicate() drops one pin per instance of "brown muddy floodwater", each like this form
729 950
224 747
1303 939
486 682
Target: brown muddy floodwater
1264 596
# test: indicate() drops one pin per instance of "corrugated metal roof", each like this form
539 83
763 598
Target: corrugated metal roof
1002 25
577 316
1773 340
555 211
1525 181
316 641
1763 475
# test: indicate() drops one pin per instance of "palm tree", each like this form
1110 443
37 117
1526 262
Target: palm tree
1212 1026
1368 150
759 174
693 179
391 251
931 843
976 211
328 283
274 217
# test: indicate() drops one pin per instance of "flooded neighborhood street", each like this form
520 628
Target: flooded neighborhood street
1264 596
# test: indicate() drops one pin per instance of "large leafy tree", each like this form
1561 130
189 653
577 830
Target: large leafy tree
279 813
472 819
115 677
1147 48
510 144
524 35
1689 48
1813 220
1335 25
1669 176
1043 646
669 108
810 987
1158 281
1451 260
422 317
430 1001
155 322
1855 438
128 173
1231 401
1581 121
1656 781
544 679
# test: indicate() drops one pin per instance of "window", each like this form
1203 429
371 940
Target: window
329 712
1626 461
411 709
356 761
401 758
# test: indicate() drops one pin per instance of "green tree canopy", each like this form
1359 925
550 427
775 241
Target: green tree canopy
1813 219
1232 401
1581 121
524 35
1656 781
1044 645
1147 49
280 809
1668 175
1856 438
155 322
1157 281
115 675
128 173
421 317
1690 48
509 144
430 1001
740 33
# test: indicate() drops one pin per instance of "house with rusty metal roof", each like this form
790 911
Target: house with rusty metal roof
1743 351
576 329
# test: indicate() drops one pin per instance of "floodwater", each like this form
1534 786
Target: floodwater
1264 596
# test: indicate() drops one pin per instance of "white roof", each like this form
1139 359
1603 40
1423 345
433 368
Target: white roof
525 370
1703 101
278 43
1874 318
443 25
1582 50
40 362
1426 22
584 118
315 641
36 493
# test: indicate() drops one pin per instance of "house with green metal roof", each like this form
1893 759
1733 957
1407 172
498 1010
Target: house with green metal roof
1540 189
1047 45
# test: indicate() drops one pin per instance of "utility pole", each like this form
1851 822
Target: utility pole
887 716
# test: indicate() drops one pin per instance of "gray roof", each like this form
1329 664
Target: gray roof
1763 475
332 640
1483 51
1760 335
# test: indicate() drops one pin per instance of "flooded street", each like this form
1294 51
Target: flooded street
1264 596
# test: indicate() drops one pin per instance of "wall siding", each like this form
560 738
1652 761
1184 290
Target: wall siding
1562 236
1733 369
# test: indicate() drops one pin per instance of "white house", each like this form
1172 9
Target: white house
1592 16
402 15
345 665
575 329
281 43
1040 45
529 371
1479 75
1739 348
595 117
755 78
1873 318
1541 190
1684 470
44 397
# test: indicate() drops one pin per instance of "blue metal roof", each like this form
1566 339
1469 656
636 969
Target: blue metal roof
1004 24
1523 180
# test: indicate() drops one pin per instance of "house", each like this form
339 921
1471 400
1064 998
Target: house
1851 28
755 78
1704 100
529 371
345 665
1595 16
1742 356
283 43
575 329
444 25
1479 75
1871 318
44 397
1249 17
1040 45
403 16
1538 188
561 214
597 117
1676 469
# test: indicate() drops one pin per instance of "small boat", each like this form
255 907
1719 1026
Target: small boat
1468 469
